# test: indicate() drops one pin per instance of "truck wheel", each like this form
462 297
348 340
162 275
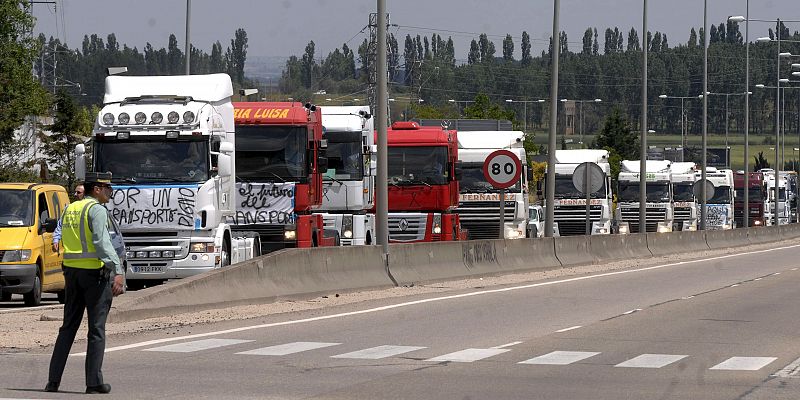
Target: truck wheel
34 297
225 257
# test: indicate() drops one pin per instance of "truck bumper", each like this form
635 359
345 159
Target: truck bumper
193 264
17 278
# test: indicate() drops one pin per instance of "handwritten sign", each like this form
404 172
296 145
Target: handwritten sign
164 208
264 203
716 215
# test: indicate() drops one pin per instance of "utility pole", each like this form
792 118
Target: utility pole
643 151
381 111
188 43
550 185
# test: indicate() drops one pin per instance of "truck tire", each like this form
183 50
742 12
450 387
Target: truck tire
225 257
34 297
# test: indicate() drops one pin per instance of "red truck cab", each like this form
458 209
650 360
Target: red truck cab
280 159
757 195
423 183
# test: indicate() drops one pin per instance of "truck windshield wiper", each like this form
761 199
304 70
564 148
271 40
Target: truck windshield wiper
125 179
333 179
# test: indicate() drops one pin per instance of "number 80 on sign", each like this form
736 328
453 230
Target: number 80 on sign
502 169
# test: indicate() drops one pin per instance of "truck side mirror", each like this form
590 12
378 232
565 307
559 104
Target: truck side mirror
224 165
322 164
80 162
458 171
226 147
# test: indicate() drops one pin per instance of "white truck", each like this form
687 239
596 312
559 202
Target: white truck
684 201
719 208
658 206
348 190
783 202
169 143
570 203
478 203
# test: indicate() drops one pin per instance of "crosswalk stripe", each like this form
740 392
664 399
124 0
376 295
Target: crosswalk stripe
560 358
468 355
198 345
744 363
379 352
288 348
651 361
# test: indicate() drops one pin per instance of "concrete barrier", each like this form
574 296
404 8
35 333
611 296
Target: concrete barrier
607 248
292 273
664 244
426 262
764 234
528 255
574 250
726 239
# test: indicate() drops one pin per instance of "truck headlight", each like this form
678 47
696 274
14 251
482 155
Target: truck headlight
624 228
689 226
290 234
168 254
663 227
347 226
437 224
757 222
154 254
599 228
202 247
17 255
141 254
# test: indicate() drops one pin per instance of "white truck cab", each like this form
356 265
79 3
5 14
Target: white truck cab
659 203
570 203
719 208
684 176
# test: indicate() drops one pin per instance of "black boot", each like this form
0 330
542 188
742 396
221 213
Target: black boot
51 387
99 389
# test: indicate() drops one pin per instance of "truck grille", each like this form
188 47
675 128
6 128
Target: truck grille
572 219
683 214
481 218
267 233
415 226
652 217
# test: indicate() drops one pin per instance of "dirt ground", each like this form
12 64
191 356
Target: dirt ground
29 330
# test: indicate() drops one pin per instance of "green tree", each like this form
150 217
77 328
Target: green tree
483 108
760 161
526 48
20 94
618 135
587 42
633 40
508 48
72 124
236 56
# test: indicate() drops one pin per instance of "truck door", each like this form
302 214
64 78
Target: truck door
45 208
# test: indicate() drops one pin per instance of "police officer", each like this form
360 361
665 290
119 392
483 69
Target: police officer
92 275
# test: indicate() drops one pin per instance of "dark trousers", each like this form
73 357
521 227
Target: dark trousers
88 289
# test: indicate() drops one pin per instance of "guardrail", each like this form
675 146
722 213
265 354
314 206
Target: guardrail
304 273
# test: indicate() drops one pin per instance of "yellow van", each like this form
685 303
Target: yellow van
29 213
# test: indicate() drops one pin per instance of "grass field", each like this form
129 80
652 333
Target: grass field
736 143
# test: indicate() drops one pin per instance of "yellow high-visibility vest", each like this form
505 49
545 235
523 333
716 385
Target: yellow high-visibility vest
76 235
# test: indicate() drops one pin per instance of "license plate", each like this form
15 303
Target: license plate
148 268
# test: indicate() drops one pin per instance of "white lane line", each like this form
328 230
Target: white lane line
651 361
379 352
687 297
430 300
794 269
777 273
288 348
757 279
735 285
632 311
560 358
569 329
198 345
793 369
468 355
744 363
506 345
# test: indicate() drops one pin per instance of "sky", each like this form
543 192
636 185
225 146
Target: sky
283 27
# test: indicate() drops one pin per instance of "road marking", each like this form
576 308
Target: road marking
560 358
651 361
379 352
794 269
288 348
687 297
198 345
506 345
757 279
777 273
468 355
429 300
744 363
631 311
793 369
569 329
735 285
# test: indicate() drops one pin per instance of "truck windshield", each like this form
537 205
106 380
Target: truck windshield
345 160
264 153
565 189
16 208
153 160
418 165
682 192
473 181
657 192
722 195
781 193
754 194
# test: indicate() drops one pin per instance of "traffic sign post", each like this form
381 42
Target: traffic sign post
588 178
502 170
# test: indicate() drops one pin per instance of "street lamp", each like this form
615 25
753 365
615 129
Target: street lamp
580 116
727 95
683 115
737 19
550 185
525 109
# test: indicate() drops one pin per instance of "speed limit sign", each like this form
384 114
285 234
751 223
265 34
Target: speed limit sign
502 169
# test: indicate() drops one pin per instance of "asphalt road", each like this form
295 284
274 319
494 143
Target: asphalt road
721 328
